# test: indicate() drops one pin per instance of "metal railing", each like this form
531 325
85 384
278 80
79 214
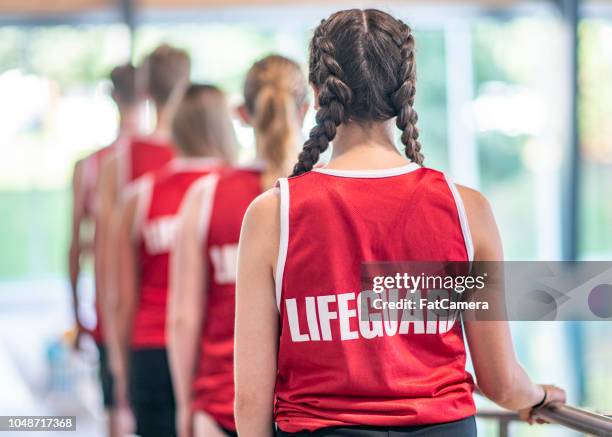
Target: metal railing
567 416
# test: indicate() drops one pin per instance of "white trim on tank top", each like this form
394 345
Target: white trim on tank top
379 173
143 187
465 227
208 187
283 244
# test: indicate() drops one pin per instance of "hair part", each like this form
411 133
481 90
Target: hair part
363 64
202 124
275 90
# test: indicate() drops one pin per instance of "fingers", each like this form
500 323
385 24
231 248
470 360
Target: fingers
554 395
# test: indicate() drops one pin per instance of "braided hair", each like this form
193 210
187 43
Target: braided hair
362 62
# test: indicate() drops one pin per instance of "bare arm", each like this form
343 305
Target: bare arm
499 375
186 305
107 195
106 281
74 253
125 300
257 318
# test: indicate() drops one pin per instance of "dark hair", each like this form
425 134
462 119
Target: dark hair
274 90
123 79
202 123
166 71
363 64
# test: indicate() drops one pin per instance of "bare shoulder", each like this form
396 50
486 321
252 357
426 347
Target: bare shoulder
108 171
110 160
481 221
263 212
79 165
476 204
77 173
261 226
259 237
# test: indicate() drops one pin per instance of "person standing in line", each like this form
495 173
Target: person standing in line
162 79
201 309
205 140
85 210
306 359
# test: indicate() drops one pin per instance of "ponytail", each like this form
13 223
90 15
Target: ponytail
275 123
275 90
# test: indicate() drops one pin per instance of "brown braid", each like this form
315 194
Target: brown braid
334 95
363 64
403 98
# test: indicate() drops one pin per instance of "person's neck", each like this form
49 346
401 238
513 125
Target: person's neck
272 172
162 127
362 146
129 121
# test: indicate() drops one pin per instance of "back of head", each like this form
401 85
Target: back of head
123 79
275 90
202 125
166 72
363 64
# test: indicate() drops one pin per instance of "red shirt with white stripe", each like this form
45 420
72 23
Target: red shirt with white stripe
159 198
333 368
213 385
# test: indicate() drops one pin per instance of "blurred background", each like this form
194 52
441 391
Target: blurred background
514 99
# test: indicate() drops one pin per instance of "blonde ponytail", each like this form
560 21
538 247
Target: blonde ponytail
275 123
275 90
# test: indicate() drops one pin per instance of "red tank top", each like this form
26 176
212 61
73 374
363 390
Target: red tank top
142 155
213 385
333 369
159 199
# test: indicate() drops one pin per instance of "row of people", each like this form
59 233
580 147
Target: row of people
218 282
138 185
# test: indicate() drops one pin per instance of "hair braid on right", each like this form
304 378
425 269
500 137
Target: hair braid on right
403 98
334 95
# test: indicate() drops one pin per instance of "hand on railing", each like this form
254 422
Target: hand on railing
578 419
551 395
